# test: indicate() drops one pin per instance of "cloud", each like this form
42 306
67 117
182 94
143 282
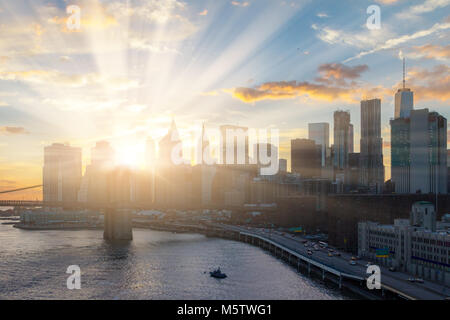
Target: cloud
292 89
13 130
322 15
337 72
332 85
3 104
387 1
425 7
240 4
430 51
203 13
395 42
430 84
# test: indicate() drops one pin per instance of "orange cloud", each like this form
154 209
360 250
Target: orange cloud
203 13
337 72
430 84
426 84
430 51
13 130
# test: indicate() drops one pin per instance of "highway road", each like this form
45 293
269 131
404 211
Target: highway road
397 280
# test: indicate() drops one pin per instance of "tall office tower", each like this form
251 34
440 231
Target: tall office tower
404 99
102 155
150 153
171 179
354 171
170 149
448 171
351 139
320 133
342 139
235 150
428 152
371 157
61 173
400 154
98 172
305 158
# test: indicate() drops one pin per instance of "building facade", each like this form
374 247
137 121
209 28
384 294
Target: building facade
371 156
61 173
413 245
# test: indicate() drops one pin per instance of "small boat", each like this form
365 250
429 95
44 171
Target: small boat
218 274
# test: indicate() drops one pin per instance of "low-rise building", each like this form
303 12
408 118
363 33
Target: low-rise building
418 245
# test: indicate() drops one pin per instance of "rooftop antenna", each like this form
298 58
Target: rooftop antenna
404 72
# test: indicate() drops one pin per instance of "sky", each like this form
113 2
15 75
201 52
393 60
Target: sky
135 65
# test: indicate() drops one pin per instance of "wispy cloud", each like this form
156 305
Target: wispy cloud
397 41
425 7
240 4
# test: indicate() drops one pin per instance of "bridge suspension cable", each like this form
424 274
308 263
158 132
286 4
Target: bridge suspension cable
20 189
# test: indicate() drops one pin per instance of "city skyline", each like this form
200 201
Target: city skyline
204 75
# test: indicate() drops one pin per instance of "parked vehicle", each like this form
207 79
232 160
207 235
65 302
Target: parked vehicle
392 269
352 262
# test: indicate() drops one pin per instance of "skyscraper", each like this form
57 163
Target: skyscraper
351 139
428 148
404 99
61 173
400 154
371 155
320 133
342 139
305 158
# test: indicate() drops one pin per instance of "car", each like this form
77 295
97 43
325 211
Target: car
411 280
330 250
337 254
419 280
392 269
306 245
329 254
305 241
310 252
352 262
354 258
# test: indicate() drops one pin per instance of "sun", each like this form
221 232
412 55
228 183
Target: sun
130 156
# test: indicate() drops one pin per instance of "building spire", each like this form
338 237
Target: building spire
404 72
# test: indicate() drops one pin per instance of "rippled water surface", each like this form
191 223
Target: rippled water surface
155 265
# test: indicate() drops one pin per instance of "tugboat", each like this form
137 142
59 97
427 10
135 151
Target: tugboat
218 274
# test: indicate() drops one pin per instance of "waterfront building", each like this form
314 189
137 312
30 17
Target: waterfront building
415 245
371 155
61 173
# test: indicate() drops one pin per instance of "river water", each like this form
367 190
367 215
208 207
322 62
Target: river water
155 265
